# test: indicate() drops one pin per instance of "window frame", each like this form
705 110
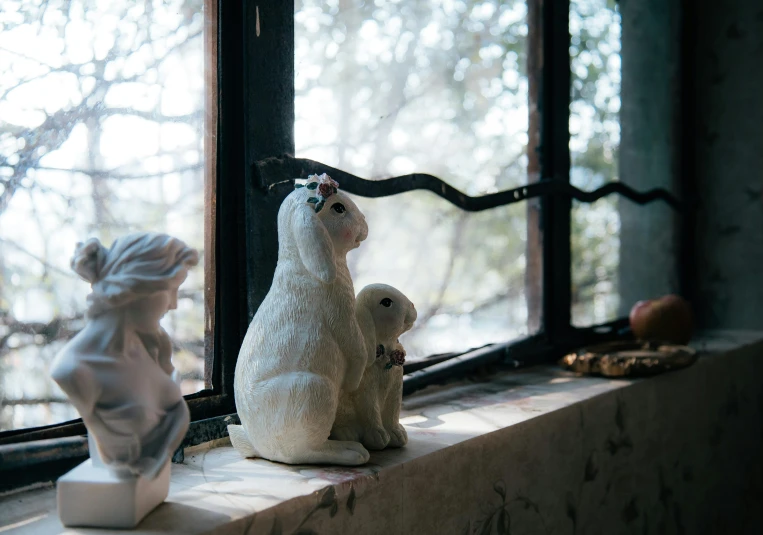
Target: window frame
252 110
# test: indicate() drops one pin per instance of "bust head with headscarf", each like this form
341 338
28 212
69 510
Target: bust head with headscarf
117 371
134 267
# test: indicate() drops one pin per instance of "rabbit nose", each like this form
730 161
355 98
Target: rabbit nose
363 230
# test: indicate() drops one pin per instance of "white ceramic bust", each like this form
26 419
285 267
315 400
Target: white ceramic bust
117 372
371 414
304 344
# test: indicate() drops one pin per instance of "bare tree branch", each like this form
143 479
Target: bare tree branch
36 258
454 250
111 174
153 116
7 402
56 329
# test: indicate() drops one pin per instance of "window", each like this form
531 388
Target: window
594 145
102 135
392 88
613 237
510 106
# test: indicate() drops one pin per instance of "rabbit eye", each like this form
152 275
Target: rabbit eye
338 208
386 302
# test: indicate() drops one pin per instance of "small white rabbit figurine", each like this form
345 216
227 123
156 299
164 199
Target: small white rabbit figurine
117 373
304 344
371 414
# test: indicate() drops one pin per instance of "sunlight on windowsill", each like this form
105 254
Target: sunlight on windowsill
215 490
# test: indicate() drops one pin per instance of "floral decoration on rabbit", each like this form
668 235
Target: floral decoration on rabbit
304 345
371 414
323 186
396 354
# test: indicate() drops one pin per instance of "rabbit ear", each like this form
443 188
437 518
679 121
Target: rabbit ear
314 244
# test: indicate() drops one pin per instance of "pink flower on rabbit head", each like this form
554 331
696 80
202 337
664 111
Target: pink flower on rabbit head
326 185
323 186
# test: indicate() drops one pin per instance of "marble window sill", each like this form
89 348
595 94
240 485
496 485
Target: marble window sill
215 491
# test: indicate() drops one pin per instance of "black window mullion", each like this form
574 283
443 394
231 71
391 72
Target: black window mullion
269 117
689 125
230 303
555 165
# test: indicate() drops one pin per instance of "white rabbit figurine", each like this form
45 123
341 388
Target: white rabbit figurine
304 344
117 373
371 414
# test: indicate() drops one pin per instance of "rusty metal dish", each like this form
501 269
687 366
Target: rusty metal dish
629 359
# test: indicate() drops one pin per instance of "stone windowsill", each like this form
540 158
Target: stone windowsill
215 491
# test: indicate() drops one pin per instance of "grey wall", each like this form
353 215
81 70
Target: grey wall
729 162
649 147
723 131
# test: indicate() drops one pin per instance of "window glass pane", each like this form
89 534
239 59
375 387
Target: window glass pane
622 252
101 135
464 272
594 147
390 88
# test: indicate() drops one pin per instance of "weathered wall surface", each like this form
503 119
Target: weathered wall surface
725 139
729 163
649 148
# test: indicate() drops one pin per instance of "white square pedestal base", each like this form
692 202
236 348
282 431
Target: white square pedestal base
92 496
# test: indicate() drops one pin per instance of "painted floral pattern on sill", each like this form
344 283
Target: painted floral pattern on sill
533 451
